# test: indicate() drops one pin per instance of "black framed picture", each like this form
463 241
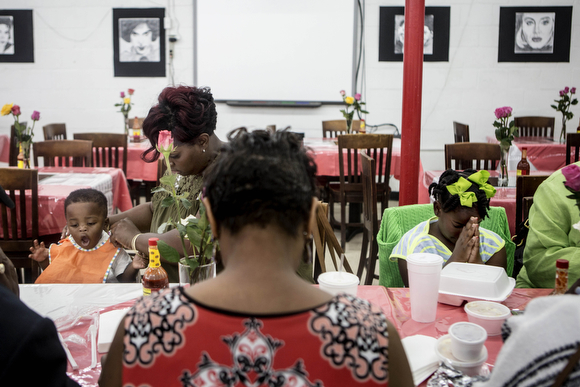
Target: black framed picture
139 42
534 34
16 37
392 34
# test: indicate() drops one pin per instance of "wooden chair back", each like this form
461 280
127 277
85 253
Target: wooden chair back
526 186
349 190
60 152
370 220
54 132
109 149
477 155
334 128
14 150
325 239
460 132
20 224
535 126
572 142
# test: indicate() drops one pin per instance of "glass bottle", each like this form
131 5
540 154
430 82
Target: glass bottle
136 130
578 128
523 165
155 277
561 276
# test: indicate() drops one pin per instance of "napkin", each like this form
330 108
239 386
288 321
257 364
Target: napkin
108 324
423 360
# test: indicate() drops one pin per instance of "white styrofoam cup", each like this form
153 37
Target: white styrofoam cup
335 282
424 271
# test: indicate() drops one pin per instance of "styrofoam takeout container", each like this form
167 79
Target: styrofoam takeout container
469 368
489 315
470 282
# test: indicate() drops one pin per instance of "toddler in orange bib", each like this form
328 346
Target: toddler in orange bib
86 255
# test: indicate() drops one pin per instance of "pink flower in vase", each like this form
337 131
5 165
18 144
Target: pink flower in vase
16 110
35 116
165 141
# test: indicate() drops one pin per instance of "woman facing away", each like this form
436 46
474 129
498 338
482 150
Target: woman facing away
461 203
189 113
257 323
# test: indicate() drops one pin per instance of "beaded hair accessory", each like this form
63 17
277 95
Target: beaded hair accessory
462 185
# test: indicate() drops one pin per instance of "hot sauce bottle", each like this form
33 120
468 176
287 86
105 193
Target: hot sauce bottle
561 285
155 277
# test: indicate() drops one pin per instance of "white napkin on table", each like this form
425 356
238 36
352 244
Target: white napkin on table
108 324
423 360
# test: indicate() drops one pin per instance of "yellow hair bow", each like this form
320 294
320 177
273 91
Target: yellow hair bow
458 188
480 178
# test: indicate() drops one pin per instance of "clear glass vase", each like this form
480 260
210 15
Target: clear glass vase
503 166
563 132
199 274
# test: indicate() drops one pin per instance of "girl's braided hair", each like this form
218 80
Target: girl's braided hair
451 202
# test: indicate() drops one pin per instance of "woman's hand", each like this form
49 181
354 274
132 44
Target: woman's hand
122 233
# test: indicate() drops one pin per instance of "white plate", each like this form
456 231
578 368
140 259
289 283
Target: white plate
457 299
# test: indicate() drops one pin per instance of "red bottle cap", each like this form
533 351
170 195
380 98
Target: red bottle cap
562 263
524 148
153 242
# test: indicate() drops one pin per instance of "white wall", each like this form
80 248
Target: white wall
72 78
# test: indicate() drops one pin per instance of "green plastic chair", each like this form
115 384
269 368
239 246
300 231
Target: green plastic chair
398 220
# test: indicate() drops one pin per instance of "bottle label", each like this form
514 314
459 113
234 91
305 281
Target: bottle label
519 173
148 291
154 257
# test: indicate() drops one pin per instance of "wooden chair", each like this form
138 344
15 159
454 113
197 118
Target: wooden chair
370 221
109 149
14 150
460 132
572 142
535 126
324 239
334 128
17 235
349 188
526 186
81 152
477 155
54 132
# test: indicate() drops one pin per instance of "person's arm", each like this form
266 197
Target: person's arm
140 216
399 369
498 259
39 253
112 363
551 235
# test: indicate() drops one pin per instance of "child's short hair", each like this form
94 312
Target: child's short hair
448 201
87 195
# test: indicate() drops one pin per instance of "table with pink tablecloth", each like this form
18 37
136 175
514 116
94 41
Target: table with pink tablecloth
51 197
325 154
137 169
57 301
543 153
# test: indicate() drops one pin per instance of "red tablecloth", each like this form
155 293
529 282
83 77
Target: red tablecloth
4 148
325 154
51 197
504 197
137 169
394 302
543 153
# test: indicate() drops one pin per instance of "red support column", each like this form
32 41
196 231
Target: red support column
412 91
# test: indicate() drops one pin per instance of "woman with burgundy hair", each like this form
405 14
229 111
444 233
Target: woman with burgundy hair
189 113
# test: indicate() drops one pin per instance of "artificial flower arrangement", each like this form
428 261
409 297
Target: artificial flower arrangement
196 230
506 130
125 107
24 134
564 107
357 106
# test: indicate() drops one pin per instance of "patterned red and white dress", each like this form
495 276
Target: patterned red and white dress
172 340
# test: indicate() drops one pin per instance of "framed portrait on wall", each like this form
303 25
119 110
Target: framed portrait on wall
16 37
435 36
534 34
139 42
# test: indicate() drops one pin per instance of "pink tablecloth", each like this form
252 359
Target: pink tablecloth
394 302
325 154
51 197
543 153
4 148
137 169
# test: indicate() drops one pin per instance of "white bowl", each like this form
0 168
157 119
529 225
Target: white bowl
469 368
467 282
490 315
